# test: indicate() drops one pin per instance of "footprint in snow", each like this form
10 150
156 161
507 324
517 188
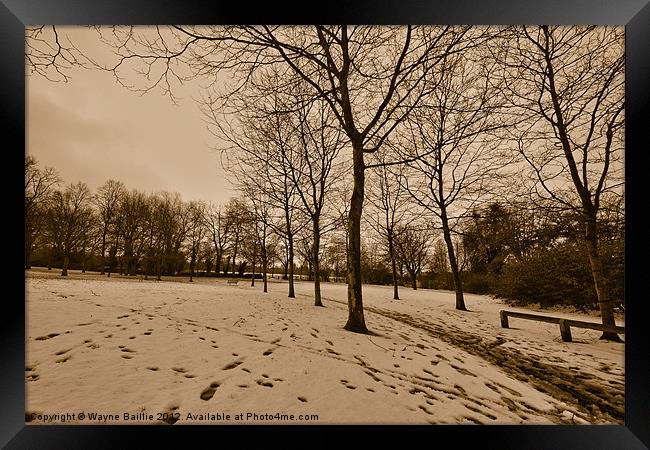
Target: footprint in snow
510 390
463 371
232 365
49 336
33 377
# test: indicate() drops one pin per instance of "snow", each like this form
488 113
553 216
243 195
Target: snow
150 348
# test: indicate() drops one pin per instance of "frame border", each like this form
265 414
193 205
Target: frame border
634 14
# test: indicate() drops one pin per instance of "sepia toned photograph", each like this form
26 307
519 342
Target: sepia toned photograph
315 225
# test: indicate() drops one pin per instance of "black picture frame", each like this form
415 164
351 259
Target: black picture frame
634 14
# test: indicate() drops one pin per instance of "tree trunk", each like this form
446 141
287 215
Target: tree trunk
50 258
217 263
414 281
192 265
234 258
103 251
253 275
393 263
316 258
264 270
453 263
66 261
310 269
356 321
606 309
290 267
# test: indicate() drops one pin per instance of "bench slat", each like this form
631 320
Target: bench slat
565 324
595 326
530 316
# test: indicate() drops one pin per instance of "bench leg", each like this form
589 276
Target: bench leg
504 319
565 330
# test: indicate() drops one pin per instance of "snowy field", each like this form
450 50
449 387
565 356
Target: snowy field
207 352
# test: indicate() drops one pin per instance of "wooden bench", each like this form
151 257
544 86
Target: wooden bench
232 281
565 324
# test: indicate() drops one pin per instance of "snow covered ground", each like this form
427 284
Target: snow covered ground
208 352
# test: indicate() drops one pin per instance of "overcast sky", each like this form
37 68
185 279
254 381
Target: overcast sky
91 129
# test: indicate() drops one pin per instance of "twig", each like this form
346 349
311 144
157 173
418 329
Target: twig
381 346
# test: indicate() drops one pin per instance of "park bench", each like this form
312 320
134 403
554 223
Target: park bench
232 281
565 324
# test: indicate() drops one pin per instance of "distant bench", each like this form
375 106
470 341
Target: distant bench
232 281
565 324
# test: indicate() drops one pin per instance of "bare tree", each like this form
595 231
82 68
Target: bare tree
454 155
370 77
69 217
236 217
219 232
51 54
569 85
260 139
439 262
313 167
388 198
172 225
196 232
90 239
261 212
151 235
132 209
413 241
38 188
106 201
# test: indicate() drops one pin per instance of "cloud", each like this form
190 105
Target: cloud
92 130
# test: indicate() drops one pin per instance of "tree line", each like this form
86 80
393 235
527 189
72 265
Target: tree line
458 123
522 253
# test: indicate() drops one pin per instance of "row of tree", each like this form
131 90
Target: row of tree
521 253
130 231
450 118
